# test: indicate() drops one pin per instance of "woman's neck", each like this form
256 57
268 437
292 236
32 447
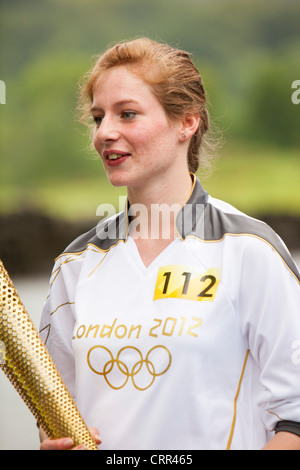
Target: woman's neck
154 207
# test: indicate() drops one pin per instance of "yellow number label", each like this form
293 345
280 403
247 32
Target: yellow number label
186 282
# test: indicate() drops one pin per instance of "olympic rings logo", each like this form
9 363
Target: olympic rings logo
130 363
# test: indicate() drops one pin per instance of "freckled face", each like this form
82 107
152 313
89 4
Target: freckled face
136 141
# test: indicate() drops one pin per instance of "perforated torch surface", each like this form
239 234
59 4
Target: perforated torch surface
29 367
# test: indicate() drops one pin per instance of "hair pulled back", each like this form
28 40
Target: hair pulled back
174 79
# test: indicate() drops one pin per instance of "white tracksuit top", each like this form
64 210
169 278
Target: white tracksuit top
200 350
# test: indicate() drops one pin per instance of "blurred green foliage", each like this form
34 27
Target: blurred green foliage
247 53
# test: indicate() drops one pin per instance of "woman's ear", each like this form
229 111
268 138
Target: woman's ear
189 126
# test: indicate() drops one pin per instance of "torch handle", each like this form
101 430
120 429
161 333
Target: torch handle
31 370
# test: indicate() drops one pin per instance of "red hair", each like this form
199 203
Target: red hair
170 72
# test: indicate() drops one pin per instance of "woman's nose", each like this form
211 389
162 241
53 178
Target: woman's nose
107 130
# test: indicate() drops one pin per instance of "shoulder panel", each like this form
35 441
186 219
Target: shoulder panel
218 224
106 234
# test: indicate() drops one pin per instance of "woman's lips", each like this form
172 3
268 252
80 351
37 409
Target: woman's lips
115 157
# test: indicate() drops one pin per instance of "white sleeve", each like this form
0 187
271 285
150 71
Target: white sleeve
57 323
268 308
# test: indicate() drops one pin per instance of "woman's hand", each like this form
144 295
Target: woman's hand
283 441
65 443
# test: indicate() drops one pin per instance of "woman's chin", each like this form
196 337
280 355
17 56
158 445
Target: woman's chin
117 179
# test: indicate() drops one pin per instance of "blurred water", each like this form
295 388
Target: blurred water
18 430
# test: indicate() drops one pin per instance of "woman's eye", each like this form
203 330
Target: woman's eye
128 114
98 120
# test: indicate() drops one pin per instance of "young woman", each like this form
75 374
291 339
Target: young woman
174 323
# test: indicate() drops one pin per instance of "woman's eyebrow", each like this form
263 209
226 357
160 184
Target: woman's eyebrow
125 102
118 104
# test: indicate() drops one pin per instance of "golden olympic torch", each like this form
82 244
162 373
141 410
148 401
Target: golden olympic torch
25 360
